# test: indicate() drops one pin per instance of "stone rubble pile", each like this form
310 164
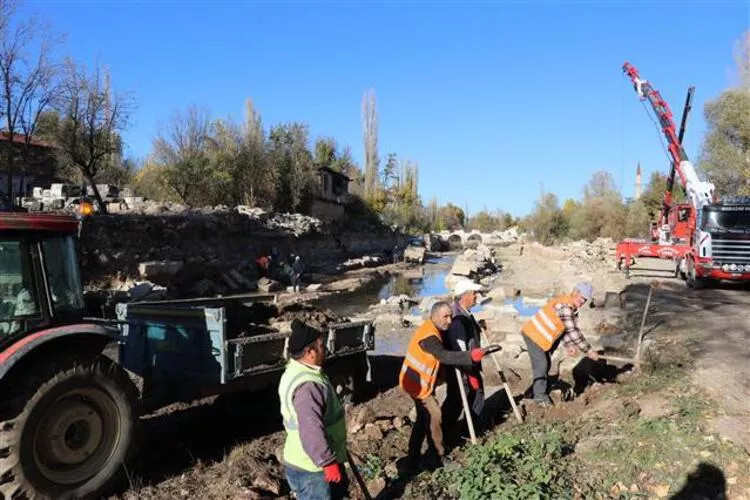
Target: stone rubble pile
590 255
510 235
475 264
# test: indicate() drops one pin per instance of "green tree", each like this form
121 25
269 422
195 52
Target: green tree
725 156
293 164
547 222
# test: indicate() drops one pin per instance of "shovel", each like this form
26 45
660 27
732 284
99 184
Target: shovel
492 349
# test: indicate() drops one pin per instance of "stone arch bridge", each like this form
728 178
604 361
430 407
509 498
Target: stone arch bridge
469 238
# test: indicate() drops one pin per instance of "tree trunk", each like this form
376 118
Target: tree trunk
9 178
97 195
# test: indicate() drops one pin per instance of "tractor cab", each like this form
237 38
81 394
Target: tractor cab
40 282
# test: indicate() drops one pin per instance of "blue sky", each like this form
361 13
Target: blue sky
492 99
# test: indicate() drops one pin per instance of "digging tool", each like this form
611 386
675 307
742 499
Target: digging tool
516 412
643 323
358 476
467 410
637 359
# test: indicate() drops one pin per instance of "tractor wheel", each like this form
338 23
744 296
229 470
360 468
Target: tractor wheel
70 431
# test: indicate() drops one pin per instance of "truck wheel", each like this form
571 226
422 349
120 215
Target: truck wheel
692 280
71 432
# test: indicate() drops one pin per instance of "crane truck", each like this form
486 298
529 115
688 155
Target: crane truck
72 387
706 238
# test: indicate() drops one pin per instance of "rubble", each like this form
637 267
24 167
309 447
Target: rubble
472 263
589 256
359 263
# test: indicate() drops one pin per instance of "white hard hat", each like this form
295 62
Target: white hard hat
466 285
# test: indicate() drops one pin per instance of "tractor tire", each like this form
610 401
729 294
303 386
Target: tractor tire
71 431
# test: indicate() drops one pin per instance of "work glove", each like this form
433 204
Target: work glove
332 472
477 354
473 382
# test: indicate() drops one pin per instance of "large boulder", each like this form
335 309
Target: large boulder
159 271
415 254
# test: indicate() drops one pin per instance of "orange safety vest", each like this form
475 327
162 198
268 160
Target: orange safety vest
419 372
545 327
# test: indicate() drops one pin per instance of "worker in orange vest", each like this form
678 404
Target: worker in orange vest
556 321
420 374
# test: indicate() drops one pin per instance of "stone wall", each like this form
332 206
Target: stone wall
195 247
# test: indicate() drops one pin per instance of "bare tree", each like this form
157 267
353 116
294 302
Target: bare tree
181 148
28 80
92 119
370 136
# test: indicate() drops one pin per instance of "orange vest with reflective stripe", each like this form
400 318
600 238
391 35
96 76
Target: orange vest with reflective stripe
420 369
545 327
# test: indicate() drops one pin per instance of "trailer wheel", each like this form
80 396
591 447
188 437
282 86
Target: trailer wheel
72 431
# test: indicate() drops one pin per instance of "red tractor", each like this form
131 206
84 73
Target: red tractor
67 408
69 401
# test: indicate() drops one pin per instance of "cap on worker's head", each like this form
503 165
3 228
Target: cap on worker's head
302 336
585 289
296 257
466 285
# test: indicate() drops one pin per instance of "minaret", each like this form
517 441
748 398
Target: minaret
638 181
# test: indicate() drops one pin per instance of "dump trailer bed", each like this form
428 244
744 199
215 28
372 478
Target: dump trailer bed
194 348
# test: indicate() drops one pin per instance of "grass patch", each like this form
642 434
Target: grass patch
522 462
372 467
664 450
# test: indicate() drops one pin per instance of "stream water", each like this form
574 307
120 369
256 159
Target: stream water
356 302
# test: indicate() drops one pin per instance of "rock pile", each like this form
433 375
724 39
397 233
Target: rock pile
474 264
590 255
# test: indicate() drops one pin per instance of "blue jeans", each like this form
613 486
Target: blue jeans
313 486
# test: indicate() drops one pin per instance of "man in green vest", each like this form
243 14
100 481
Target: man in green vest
315 447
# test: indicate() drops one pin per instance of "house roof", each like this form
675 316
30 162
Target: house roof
334 172
19 139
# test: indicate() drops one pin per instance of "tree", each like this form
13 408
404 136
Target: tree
547 222
292 161
725 156
451 217
28 83
370 137
151 182
92 118
325 152
181 149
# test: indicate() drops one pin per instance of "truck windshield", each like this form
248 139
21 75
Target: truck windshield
734 220
61 266
18 297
